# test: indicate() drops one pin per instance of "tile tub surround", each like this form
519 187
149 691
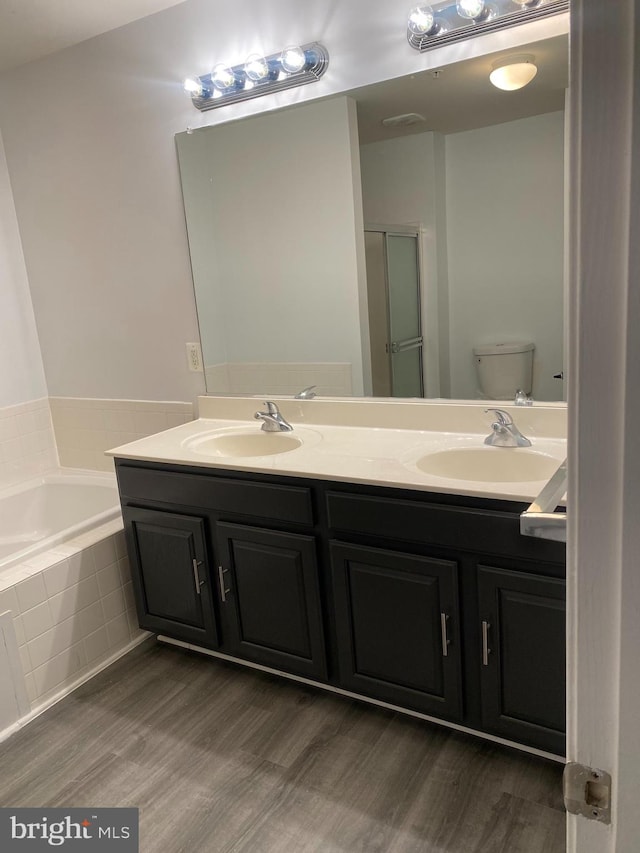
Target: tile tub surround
74 432
73 612
27 445
85 428
72 606
361 441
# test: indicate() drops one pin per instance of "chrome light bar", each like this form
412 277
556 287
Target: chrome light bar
442 23
258 75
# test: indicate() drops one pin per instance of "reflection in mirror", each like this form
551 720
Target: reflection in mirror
369 243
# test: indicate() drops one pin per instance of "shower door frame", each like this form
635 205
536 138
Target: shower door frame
414 231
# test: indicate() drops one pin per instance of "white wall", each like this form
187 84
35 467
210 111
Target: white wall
603 588
21 371
493 244
194 154
506 280
89 140
400 187
278 229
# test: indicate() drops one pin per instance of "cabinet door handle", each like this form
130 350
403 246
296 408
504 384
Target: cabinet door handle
223 590
445 639
196 575
486 651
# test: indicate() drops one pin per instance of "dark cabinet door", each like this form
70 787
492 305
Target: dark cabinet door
522 625
398 628
170 574
271 598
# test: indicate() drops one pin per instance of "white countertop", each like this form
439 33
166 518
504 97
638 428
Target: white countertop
363 453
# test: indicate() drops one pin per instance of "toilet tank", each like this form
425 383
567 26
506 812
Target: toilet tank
503 369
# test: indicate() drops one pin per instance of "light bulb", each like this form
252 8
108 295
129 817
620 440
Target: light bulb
513 72
222 77
293 59
256 67
421 20
193 86
470 8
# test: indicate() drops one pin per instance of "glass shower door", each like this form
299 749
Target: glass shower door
405 329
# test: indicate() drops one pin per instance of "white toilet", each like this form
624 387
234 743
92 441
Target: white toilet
504 369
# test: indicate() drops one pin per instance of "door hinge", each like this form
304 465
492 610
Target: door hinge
587 792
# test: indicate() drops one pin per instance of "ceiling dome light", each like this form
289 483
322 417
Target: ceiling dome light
293 59
513 72
527 4
470 8
421 20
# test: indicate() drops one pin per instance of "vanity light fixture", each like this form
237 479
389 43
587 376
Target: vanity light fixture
224 78
256 67
422 21
475 10
194 87
448 21
293 59
513 72
258 75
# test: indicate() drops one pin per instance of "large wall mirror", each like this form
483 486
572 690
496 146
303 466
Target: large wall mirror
368 243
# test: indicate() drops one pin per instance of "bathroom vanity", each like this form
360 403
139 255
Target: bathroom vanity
420 597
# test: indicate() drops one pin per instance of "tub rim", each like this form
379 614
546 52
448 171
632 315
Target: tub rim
61 477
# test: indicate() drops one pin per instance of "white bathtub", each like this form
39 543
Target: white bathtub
39 514
65 583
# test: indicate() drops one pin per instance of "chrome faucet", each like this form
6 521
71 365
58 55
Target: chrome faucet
504 432
272 420
522 398
306 394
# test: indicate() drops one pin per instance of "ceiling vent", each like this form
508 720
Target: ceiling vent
404 120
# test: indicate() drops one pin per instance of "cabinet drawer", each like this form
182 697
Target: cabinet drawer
291 504
459 527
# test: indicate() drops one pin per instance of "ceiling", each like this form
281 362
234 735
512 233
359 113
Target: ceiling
455 98
31 29
460 97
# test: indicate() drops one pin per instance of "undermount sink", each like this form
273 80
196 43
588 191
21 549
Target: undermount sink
245 443
489 464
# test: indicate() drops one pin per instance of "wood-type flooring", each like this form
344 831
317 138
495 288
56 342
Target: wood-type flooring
223 759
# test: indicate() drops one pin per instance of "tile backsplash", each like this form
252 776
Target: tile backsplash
333 379
84 428
27 444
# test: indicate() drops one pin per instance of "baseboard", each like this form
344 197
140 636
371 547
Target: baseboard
331 689
69 688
